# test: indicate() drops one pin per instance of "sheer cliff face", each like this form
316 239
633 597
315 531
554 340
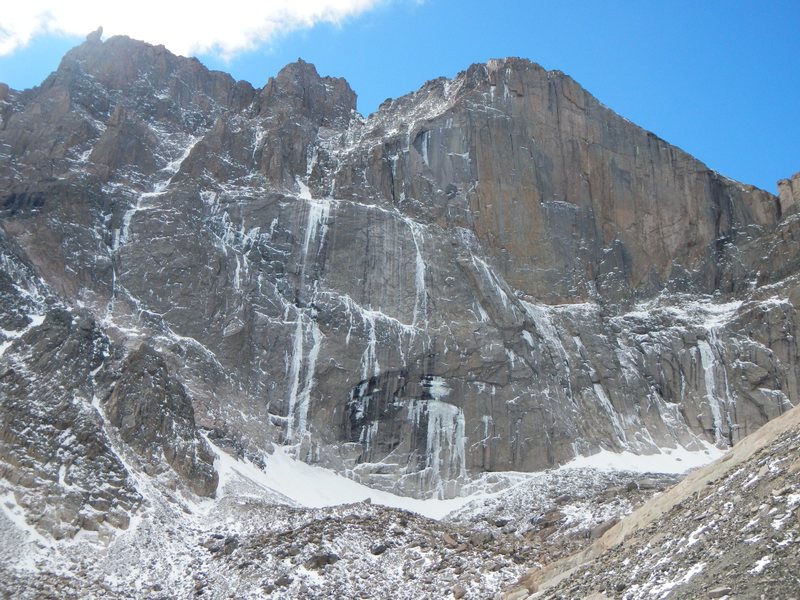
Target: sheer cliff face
494 272
569 198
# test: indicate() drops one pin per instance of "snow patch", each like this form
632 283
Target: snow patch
761 564
669 460
315 487
663 590
16 514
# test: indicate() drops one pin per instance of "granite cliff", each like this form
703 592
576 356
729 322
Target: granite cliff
493 273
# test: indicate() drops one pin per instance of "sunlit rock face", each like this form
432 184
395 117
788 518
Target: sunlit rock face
495 272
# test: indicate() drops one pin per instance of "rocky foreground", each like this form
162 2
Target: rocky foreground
730 530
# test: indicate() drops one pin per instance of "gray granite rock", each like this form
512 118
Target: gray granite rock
495 272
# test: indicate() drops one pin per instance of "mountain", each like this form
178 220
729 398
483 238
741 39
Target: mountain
493 273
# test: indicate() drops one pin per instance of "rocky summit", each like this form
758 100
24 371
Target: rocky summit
203 283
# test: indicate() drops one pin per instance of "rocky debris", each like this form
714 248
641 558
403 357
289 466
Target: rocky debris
378 549
556 524
221 543
320 561
244 545
337 544
728 530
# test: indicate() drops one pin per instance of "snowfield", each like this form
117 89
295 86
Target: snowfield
314 487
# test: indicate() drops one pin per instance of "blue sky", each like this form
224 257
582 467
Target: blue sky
720 79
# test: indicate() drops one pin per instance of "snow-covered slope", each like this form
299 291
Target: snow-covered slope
286 478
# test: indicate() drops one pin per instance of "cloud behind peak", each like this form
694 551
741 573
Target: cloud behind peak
225 28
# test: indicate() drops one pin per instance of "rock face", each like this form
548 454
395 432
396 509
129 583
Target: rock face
789 194
61 457
155 417
56 460
495 272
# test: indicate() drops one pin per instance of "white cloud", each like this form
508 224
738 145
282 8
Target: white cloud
224 28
